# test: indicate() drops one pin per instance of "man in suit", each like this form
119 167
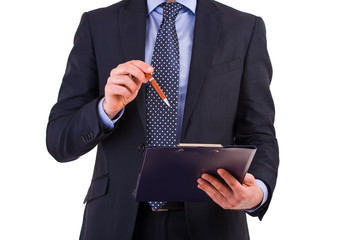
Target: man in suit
224 97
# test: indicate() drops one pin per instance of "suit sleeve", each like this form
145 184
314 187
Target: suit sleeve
255 116
74 127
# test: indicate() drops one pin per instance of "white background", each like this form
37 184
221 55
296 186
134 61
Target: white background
315 51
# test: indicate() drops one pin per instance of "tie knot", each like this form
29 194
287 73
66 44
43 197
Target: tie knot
171 10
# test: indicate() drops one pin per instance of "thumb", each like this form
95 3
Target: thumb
248 179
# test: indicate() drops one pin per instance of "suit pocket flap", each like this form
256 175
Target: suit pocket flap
97 188
225 67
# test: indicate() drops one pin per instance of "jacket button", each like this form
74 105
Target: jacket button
141 148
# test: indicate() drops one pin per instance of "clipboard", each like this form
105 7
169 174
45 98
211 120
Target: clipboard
171 173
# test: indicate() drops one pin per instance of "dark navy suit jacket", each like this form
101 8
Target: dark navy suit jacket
228 102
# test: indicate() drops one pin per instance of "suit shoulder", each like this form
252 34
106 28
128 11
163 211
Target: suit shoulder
109 10
232 13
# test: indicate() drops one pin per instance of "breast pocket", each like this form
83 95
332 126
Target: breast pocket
225 67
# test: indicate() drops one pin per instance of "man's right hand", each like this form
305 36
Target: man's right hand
123 85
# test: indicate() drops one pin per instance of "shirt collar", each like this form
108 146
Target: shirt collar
190 4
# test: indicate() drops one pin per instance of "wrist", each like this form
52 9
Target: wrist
263 188
111 114
259 199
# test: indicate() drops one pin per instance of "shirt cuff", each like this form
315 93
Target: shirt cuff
264 189
109 123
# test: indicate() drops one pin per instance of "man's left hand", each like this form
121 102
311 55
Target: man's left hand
234 196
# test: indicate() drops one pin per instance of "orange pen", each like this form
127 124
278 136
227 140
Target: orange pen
157 88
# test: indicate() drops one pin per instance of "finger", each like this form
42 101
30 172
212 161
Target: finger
232 182
134 68
125 81
120 90
212 192
221 187
127 69
139 76
142 66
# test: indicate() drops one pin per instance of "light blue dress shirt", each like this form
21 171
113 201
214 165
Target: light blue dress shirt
185 28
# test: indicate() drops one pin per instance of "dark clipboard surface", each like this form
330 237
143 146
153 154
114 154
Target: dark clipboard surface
171 173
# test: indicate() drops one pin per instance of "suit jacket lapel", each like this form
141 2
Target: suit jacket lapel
132 26
206 32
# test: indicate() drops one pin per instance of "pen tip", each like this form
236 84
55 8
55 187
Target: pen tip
166 101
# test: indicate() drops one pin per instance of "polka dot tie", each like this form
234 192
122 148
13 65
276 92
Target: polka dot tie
161 119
